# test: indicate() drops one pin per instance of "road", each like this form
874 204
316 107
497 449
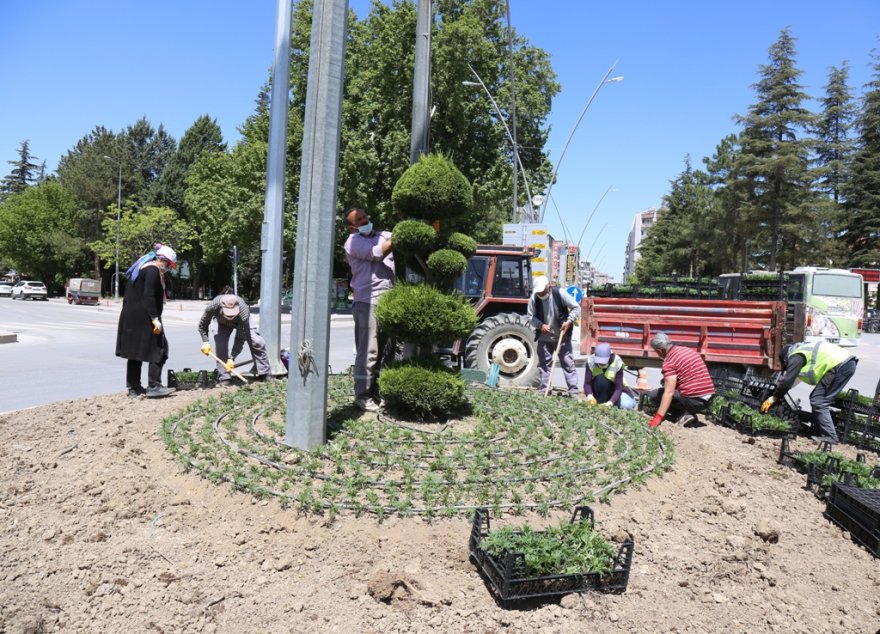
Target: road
68 352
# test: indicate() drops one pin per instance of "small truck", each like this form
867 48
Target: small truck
81 290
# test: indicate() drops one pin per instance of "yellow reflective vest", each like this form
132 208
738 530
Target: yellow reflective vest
821 357
610 371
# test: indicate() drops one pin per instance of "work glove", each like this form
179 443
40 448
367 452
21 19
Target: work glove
766 405
591 400
655 421
206 348
229 365
157 327
607 404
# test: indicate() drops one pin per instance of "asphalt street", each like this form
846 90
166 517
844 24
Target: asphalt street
67 352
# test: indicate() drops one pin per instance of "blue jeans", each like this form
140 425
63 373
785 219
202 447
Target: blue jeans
826 391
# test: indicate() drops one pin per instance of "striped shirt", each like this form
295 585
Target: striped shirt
693 378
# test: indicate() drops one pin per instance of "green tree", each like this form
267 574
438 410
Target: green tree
38 229
731 232
24 171
862 222
139 231
203 136
677 242
147 151
775 158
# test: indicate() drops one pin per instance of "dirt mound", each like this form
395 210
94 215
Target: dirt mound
103 532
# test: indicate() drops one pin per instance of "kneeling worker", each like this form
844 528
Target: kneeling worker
232 313
687 387
825 365
604 379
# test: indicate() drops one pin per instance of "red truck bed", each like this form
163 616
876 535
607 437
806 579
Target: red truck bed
745 333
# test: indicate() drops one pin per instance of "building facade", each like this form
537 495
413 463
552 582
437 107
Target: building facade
642 221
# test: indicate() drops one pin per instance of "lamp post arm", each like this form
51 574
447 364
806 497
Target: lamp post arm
510 138
610 187
571 134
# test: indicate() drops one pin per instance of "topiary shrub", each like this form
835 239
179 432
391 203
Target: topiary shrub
422 314
445 265
462 243
432 188
413 237
421 388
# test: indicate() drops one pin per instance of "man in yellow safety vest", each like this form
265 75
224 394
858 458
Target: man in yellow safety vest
825 365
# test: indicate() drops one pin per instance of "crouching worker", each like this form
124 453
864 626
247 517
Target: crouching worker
604 380
825 365
232 314
687 387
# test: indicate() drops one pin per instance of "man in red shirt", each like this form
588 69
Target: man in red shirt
687 387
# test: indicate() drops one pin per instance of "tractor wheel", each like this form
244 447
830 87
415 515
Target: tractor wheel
508 340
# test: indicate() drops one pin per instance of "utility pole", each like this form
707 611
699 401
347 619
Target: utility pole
273 215
421 109
513 113
305 426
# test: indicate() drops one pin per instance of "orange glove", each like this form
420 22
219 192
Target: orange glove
655 421
766 405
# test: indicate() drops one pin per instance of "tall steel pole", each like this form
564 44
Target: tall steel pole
421 109
587 224
273 213
512 110
305 426
118 208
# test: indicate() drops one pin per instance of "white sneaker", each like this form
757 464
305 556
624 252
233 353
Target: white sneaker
366 404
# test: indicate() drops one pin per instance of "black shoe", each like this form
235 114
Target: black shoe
134 392
159 391
828 439
263 378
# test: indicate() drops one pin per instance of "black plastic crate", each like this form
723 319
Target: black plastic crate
857 511
203 380
747 426
508 581
646 404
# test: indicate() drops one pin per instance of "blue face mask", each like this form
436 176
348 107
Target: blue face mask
366 229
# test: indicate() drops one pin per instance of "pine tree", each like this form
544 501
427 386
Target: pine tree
775 159
23 171
862 205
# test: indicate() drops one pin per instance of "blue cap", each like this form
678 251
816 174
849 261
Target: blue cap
602 354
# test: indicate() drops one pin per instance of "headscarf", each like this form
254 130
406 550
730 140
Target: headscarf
159 251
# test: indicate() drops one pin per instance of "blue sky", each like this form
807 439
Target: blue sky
688 68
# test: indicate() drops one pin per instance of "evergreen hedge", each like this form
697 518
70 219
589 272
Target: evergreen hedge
422 314
413 237
421 388
462 243
445 265
432 189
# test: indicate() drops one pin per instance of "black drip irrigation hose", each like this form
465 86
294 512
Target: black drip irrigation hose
405 507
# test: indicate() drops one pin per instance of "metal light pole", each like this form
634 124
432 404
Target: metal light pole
513 108
510 137
118 207
610 189
604 80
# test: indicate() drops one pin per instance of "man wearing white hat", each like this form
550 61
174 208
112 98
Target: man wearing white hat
232 314
553 314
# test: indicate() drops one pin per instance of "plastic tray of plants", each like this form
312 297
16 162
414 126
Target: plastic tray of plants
856 510
188 379
749 420
857 403
520 564
825 467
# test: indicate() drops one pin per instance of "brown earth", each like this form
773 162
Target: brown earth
103 532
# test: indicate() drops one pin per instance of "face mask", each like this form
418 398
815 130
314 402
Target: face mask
366 229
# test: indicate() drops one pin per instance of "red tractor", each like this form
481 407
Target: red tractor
498 281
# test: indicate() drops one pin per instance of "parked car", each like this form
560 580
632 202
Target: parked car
28 289
5 289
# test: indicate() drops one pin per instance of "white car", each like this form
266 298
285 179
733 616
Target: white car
5 289
26 289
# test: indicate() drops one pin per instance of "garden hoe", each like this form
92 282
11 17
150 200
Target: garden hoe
553 364
222 362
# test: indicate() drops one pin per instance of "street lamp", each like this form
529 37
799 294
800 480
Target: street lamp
513 145
610 189
605 80
118 207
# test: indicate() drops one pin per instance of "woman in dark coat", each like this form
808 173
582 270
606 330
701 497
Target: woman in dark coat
141 337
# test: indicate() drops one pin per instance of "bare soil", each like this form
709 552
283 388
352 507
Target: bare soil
103 532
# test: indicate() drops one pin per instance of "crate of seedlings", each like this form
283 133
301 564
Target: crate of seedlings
522 564
752 422
647 405
184 379
856 403
857 511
